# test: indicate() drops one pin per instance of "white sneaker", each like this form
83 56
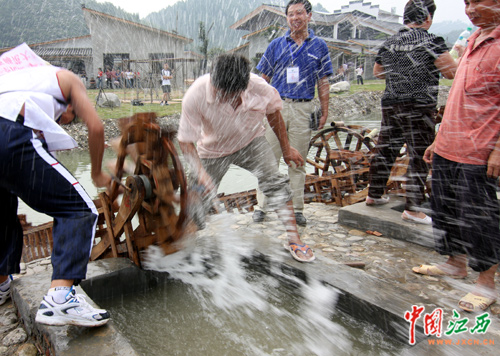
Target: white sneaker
425 221
5 295
75 311
162 103
376 201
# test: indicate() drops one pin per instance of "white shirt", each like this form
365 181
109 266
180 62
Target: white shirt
37 88
165 81
217 128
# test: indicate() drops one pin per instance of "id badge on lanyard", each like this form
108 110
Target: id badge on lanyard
292 75
293 71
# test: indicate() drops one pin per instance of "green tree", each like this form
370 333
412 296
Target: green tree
203 37
214 52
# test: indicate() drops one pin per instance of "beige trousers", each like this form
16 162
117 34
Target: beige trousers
296 116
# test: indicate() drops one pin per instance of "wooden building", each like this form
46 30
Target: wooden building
352 33
121 44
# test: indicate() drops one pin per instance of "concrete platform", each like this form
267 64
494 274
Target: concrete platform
386 219
363 294
27 292
368 299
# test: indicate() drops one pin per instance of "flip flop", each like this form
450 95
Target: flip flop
478 303
430 270
293 247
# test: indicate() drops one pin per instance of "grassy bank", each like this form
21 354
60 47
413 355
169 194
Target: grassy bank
127 109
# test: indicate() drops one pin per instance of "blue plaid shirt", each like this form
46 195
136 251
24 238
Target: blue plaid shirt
312 59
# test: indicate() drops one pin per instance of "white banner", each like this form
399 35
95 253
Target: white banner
18 58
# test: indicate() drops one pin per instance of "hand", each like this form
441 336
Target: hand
293 156
460 50
429 154
101 180
494 164
205 180
322 121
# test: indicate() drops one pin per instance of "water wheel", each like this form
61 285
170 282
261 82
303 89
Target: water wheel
155 196
341 149
340 156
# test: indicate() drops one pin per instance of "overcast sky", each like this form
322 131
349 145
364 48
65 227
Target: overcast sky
446 9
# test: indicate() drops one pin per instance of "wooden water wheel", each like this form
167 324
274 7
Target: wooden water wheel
340 156
155 196
341 149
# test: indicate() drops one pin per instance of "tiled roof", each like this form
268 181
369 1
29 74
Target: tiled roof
63 52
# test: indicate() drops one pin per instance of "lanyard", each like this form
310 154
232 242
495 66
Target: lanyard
297 52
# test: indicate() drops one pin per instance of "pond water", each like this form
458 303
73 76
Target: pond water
236 180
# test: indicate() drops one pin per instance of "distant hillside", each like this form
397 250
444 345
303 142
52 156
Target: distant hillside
184 17
449 30
40 21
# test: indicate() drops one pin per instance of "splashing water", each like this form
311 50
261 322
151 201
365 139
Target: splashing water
216 302
276 321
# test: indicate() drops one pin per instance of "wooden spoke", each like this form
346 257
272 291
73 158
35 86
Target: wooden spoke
340 156
156 193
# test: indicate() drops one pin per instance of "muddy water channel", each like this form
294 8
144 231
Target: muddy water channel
177 319
219 300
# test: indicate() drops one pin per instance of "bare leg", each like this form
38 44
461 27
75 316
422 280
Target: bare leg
485 284
287 216
455 265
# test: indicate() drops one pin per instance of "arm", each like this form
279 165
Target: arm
429 152
191 155
494 162
324 98
266 78
73 89
446 65
379 71
290 154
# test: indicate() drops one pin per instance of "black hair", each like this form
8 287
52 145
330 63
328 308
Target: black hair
306 3
431 7
417 11
230 73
